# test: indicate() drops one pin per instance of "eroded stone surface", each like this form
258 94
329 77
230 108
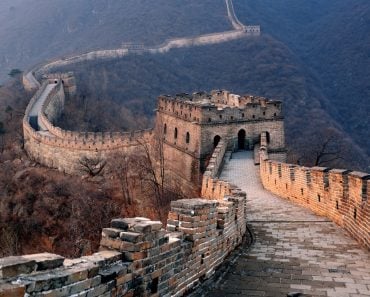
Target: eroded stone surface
294 250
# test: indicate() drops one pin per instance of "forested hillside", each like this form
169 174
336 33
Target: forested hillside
32 31
331 40
262 66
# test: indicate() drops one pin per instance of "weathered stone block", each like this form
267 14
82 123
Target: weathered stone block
111 232
127 223
131 236
104 258
14 266
46 260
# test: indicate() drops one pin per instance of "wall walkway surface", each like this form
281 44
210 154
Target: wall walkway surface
294 250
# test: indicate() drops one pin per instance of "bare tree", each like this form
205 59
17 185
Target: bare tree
93 166
150 175
329 151
323 149
120 164
153 169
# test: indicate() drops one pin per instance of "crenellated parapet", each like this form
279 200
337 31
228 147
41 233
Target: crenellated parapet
55 147
137 256
220 107
340 195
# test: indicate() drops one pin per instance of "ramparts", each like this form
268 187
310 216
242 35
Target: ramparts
61 149
340 195
137 256
215 108
240 31
212 186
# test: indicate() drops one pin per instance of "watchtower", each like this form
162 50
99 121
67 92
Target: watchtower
193 124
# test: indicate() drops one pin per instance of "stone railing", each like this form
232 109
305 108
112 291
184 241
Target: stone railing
212 186
340 195
137 256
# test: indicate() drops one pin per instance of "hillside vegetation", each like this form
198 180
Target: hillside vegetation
262 66
43 209
33 31
331 40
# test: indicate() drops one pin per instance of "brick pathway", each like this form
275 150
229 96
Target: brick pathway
294 250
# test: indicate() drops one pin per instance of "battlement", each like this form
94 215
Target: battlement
340 195
57 148
137 256
220 106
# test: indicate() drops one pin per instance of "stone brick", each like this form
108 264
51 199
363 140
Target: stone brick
46 260
14 266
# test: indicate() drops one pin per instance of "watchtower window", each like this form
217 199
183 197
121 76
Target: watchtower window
175 134
209 119
165 129
187 137
220 116
243 115
253 116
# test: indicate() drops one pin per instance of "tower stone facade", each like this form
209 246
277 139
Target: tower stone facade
192 126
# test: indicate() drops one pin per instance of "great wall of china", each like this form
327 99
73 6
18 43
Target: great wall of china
240 31
139 257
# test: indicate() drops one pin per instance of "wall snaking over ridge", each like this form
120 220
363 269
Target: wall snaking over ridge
61 149
340 195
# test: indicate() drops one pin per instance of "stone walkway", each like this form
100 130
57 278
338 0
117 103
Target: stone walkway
293 250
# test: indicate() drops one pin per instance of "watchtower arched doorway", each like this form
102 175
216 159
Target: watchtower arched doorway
267 137
216 140
241 139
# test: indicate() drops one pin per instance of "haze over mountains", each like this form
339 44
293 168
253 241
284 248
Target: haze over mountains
34 30
313 55
332 40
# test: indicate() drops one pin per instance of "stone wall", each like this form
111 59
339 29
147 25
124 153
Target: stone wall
340 195
53 105
212 186
57 148
253 131
190 125
137 256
